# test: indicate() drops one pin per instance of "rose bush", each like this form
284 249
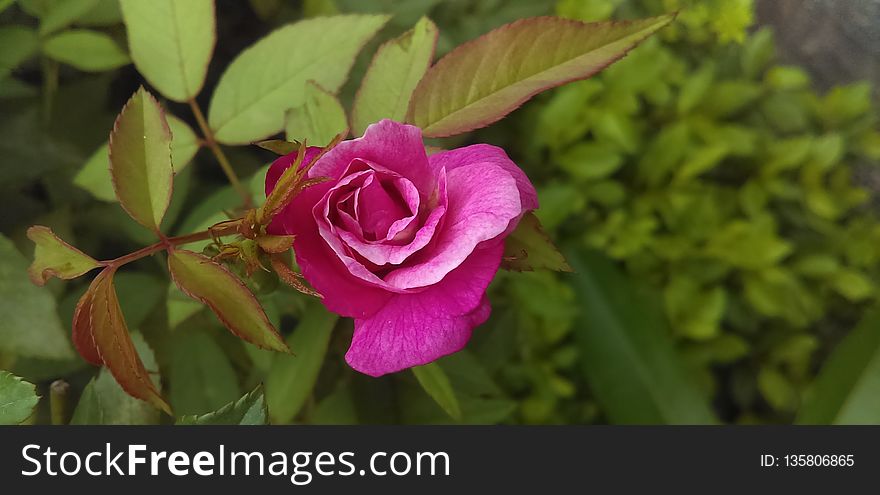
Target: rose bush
403 242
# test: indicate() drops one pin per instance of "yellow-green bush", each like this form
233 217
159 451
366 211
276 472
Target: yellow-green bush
725 181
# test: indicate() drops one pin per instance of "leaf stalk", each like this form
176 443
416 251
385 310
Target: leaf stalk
211 141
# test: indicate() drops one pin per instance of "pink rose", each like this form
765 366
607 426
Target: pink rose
402 242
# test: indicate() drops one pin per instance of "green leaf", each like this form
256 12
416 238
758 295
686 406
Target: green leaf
184 143
852 284
291 378
590 160
845 103
626 353
249 410
139 293
318 119
396 69
558 201
104 402
56 258
105 13
89 409
171 43
695 88
748 244
787 78
528 248
336 409
434 381
62 14
405 12
701 160
279 147
776 292
758 52
140 160
17 44
482 81
726 98
481 400
201 376
36 8
30 321
180 306
270 77
17 399
586 10
236 307
731 18
94 176
777 389
4 4
845 392
90 51
694 311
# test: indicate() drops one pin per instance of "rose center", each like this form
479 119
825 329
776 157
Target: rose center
381 205
377 206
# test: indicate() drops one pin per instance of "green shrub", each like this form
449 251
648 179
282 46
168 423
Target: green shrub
724 181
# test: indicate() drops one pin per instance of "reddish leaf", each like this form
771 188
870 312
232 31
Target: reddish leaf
114 345
82 330
211 283
481 81
290 277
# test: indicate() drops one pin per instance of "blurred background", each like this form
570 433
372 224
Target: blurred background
715 192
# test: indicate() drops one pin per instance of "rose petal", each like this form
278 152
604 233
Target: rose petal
477 154
348 221
395 146
410 195
342 293
383 254
330 232
482 202
416 329
382 206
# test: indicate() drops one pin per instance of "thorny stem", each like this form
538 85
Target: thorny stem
218 153
230 228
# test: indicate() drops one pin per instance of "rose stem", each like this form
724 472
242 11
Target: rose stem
171 241
218 153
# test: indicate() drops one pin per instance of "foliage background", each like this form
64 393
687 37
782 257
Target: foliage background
715 206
